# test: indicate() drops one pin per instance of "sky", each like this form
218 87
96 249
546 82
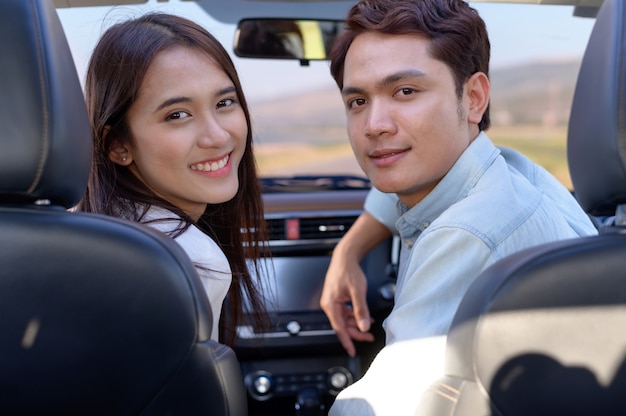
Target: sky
519 33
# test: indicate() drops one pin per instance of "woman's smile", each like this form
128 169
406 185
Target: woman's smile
212 165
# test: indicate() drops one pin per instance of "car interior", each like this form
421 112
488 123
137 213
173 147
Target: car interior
101 316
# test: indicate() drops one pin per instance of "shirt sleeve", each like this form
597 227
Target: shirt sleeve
382 207
439 269
552 189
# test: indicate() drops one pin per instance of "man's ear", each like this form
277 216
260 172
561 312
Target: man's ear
478 90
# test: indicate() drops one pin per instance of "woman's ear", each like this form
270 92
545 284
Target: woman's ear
478 89
120 154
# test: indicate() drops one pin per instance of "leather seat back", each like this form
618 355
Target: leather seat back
97 315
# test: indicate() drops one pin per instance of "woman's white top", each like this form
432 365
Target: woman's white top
210 261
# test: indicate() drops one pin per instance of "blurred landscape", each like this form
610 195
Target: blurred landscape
305 133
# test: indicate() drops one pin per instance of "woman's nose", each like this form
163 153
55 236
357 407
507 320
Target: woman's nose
211 133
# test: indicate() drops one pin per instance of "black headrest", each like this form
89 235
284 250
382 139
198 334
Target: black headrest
45 143
597 130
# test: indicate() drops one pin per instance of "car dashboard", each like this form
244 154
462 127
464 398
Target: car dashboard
298 361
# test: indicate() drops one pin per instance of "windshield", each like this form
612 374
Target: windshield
298 116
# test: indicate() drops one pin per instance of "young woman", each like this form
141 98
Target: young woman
172 149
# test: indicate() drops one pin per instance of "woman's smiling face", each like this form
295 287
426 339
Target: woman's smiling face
188 131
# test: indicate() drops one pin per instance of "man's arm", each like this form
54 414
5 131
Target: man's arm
346 282
437 276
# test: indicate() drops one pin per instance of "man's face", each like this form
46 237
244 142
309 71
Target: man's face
406 124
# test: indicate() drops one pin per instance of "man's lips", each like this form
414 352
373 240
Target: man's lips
385 153
387 157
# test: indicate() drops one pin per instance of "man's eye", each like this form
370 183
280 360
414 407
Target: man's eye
357 102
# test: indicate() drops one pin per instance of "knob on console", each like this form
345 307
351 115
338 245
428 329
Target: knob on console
338 379
260 385
293 327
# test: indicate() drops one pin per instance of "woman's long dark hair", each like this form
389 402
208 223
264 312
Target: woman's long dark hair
115 73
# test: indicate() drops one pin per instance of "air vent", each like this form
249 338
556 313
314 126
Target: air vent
276 228
309 228
322 228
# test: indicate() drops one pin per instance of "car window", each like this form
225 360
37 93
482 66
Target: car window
298 116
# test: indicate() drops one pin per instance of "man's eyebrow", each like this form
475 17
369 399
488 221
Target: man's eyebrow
351 90
399 76
389 79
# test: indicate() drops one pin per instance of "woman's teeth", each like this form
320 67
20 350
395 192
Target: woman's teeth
211 166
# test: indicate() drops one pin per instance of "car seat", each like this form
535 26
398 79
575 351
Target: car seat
98 316
542 332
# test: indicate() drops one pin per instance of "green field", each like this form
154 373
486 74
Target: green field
546 146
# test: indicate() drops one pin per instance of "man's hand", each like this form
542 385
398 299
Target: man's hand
344 296
346 283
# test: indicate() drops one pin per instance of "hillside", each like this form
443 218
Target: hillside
533 94
536 94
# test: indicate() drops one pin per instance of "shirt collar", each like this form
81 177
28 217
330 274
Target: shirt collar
454 186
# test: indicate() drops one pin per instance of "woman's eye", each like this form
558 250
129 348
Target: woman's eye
178 115
225 102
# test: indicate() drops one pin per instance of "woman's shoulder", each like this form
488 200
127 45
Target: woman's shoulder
204 251
163 220
199 246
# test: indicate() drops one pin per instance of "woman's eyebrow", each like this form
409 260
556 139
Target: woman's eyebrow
227 90
172 101
177 100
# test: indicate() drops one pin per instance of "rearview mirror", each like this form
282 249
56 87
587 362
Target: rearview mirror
303 40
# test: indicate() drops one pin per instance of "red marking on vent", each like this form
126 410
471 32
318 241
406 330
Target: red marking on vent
293 229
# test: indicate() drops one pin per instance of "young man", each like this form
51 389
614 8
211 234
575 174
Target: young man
413 77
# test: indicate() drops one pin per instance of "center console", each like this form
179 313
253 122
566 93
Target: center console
297 366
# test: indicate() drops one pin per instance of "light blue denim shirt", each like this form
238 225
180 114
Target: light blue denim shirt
492 203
